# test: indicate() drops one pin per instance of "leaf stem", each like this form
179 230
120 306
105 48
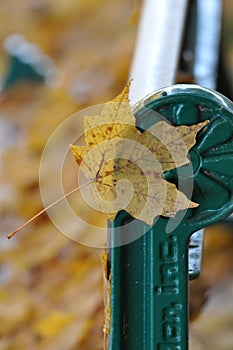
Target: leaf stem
11 234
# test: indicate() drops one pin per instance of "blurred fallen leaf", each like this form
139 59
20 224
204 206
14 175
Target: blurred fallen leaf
53 324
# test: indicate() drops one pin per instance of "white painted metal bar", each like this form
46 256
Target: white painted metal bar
158 46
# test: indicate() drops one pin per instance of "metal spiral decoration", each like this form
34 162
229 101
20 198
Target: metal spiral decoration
211 167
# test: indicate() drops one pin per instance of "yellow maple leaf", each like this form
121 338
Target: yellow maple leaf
125 165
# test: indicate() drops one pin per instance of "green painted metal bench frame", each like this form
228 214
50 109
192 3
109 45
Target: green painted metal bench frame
149 275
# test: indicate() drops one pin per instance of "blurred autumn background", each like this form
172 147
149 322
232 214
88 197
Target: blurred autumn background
51 288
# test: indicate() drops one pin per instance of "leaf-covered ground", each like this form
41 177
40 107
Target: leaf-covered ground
51 289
